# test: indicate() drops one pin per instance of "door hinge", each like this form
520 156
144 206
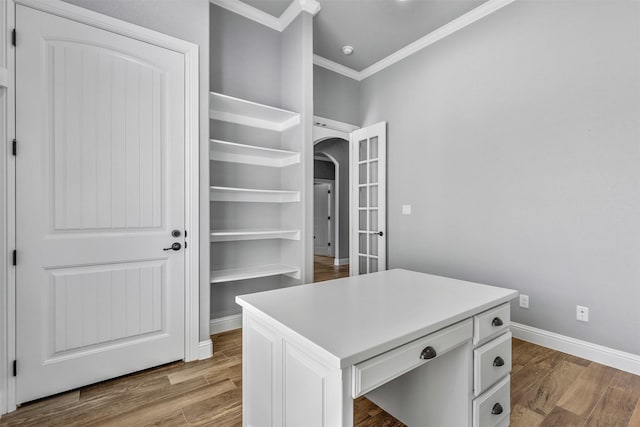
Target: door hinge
15 368
15 257
329 218
14 147
329 244
328 191
14 37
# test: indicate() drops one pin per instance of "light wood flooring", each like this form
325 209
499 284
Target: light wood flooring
548 388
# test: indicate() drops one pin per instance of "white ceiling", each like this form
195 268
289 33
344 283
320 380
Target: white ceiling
375 28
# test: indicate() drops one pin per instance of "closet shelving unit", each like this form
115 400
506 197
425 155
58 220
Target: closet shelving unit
247 113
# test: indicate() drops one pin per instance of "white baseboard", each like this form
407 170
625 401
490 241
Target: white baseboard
596 353
205 349
341 261
223 324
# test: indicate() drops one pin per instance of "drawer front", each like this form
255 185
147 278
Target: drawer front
491 408
491 323
491 362
387 366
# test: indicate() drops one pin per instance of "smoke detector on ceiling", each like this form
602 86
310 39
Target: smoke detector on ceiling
347 50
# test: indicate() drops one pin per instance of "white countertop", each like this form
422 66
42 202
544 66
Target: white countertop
358 317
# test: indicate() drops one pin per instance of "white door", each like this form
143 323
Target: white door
368 201
321 219
100 186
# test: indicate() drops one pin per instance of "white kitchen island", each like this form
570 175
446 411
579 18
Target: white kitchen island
430 350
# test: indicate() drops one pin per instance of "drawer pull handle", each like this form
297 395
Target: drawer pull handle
497 409
428 353
497 322
498 361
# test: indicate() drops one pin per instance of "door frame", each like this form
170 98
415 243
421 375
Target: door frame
192 178
324 129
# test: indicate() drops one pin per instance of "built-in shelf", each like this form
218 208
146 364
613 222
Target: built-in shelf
254 234
229 194
225 151
248 113
4 77
254 272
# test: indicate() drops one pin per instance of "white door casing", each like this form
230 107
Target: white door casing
100 185
368 201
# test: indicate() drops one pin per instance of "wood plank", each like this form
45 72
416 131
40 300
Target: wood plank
533 372
543 397
521 416
614 409
560 417
587 390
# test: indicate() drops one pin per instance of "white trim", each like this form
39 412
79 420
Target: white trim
596 353
8 387
224 324
192 132
341 261
323 122
457 24
205 349
323 62
275 23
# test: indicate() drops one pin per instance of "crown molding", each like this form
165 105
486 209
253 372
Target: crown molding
336 68
457 24
279 24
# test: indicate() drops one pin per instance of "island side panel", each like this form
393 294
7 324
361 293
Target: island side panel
261 374
287 385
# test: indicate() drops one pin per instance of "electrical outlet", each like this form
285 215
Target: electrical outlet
524 301
406 209
582 313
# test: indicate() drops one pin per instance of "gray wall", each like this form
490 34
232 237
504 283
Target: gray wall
335 96
339 150
245 58
517 141
187 20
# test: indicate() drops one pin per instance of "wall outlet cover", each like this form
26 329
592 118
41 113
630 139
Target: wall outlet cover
406 209
524 301
582 313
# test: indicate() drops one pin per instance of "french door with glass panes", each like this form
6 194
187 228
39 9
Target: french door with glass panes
368 201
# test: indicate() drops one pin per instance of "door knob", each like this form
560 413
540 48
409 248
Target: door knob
380 233
175 247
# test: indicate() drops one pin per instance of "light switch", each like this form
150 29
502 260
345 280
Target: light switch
406 209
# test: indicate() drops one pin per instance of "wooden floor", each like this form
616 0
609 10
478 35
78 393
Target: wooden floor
548 388
323 269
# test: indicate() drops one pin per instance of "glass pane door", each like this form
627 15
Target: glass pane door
370 194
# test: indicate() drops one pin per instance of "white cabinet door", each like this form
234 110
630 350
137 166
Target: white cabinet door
100 187
368 201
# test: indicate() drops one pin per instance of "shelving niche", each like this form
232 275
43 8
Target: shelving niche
260 160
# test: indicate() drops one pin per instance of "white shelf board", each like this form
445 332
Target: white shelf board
229 194
248 113
4 77
254 272
225 151
254 234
